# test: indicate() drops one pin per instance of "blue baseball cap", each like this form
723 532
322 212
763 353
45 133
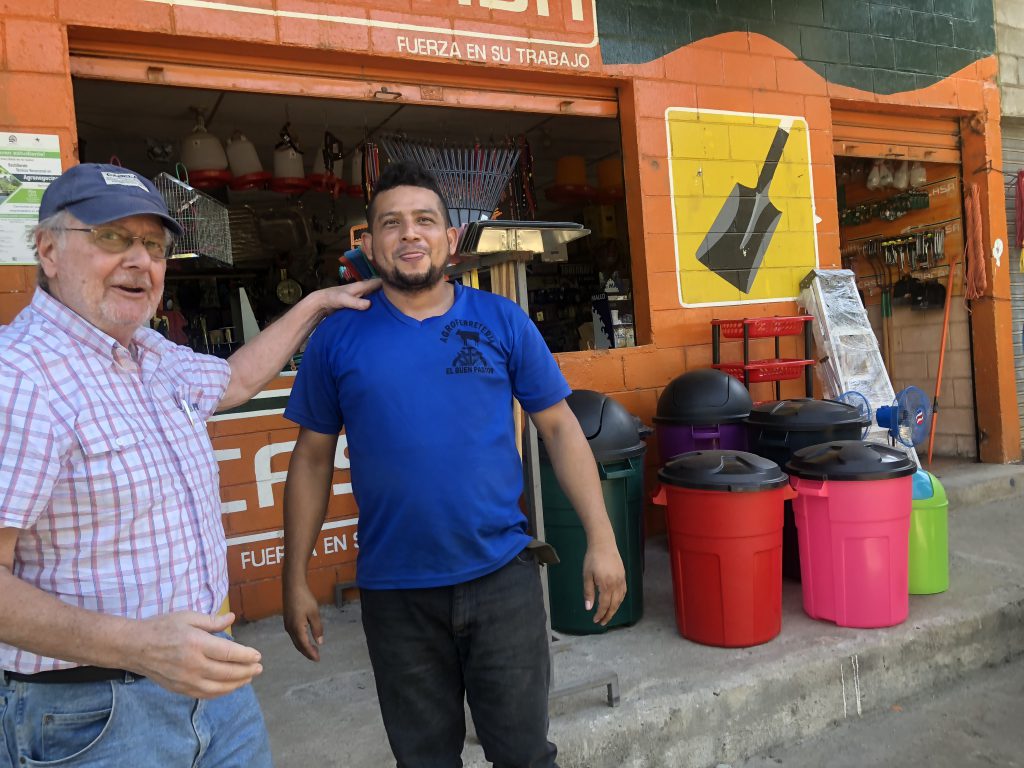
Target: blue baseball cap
96 193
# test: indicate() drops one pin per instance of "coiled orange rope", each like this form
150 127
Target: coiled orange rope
975 280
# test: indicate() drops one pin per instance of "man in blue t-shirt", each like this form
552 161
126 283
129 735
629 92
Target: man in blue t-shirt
423 383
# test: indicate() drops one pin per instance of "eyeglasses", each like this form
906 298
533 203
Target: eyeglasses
114 240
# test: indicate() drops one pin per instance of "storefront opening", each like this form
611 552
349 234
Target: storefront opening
289 229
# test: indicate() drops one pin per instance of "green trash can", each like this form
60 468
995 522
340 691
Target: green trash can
928 561
616 438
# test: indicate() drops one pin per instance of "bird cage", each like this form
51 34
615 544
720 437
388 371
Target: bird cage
246 246
471 177
206 229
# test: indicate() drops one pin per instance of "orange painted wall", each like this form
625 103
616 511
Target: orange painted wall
734 72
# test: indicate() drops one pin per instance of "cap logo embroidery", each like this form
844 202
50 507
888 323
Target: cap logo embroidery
124 179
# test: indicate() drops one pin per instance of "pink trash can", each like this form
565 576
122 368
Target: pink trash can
852 513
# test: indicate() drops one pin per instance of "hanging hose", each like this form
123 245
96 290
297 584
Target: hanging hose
974 252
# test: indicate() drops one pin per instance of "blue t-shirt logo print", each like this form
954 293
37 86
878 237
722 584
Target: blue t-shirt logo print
469 356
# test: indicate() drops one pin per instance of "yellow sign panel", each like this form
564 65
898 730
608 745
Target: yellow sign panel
742 205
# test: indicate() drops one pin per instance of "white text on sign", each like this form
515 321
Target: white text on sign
497 54
267 479
273 554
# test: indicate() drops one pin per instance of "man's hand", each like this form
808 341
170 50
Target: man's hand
576 471
349 296
258 361
603 571
302 617
179 652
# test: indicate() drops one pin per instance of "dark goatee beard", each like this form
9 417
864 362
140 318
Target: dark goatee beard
414 283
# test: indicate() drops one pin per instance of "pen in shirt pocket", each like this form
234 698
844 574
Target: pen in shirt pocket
188 405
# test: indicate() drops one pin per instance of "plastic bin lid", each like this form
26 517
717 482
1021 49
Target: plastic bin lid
923 485
612 431
805 414
850 460
703 396
735 471
928 491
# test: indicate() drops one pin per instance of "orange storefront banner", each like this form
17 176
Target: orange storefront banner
559 34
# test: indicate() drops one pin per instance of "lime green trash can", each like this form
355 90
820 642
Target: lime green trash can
616 439
929 536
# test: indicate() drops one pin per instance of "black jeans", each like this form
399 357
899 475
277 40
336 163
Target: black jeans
484 640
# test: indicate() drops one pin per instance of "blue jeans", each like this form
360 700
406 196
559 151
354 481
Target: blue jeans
485 641
132 722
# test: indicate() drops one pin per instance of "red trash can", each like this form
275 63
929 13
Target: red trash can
724 513
853 523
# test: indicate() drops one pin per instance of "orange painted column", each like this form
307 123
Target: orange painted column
991 315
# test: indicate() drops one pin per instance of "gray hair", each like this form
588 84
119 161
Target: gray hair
54 225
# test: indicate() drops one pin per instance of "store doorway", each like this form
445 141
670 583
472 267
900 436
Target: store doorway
901 231
289 238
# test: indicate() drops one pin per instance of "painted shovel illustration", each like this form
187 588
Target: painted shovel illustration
742 231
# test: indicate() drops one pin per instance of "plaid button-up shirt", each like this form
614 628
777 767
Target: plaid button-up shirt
107 469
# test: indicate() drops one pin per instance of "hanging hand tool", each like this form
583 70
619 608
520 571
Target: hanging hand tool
942 356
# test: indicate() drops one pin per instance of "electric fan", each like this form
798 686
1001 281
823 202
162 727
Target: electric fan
858 401
909 417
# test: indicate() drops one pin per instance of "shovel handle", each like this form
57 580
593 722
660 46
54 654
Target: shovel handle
771 161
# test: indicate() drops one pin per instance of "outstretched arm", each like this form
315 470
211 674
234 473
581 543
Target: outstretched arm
260 360
576 471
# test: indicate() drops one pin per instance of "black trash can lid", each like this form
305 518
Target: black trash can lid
735 471
850 460
703 396
612 431
805 414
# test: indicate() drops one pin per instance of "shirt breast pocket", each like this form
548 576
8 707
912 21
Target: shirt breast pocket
114 468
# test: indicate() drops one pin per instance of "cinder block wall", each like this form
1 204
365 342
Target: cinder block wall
1009 16
916 362
884 46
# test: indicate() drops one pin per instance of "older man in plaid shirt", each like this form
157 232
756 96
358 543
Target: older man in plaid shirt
112 554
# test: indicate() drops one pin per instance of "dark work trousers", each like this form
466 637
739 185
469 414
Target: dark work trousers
485 640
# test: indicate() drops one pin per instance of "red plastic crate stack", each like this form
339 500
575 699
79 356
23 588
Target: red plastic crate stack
774 369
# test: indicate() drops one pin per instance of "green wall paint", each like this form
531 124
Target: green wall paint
885 46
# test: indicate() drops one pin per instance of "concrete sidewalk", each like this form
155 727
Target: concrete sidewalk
684 704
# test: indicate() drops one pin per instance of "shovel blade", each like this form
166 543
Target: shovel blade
741 233
734 248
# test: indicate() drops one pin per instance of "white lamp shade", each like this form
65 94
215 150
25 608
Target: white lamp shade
202 151
288 163
242 156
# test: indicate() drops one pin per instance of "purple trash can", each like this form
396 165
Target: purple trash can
702 410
